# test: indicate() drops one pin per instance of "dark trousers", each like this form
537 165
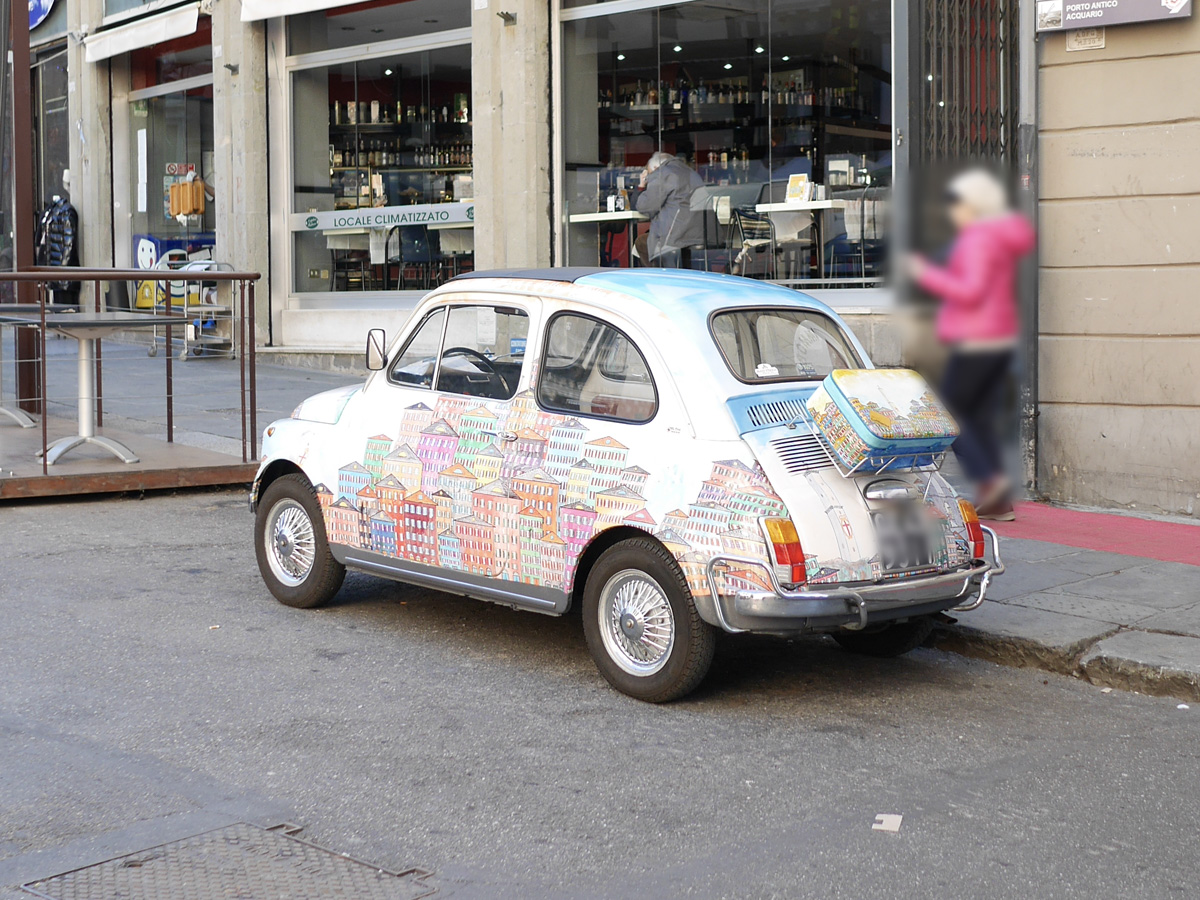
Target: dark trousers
671 259
972 388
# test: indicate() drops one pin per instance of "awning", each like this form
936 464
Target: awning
253 10
174 23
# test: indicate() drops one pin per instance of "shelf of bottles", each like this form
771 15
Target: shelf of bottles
738 116
412 154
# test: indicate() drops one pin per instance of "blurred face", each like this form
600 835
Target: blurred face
959 213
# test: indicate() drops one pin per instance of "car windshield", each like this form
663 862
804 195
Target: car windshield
781 344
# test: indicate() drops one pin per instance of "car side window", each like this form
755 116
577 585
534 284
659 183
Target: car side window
414 364
592 369
483 351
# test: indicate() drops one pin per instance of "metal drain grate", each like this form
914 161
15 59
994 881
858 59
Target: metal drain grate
239 862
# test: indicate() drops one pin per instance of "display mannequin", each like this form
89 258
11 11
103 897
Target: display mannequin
57 242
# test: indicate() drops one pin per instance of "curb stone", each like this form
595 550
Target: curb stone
1147 662
1153 663
1023 637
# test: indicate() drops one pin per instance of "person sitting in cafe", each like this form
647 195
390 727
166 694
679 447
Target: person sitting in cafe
665 195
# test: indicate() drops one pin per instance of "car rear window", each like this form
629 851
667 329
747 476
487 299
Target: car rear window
781 344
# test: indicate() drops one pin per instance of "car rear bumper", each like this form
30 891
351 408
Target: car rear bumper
852 607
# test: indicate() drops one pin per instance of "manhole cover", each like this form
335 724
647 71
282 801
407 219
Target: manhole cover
239 862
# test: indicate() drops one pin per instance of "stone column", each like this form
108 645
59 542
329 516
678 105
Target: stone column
88 104
510 77
240 147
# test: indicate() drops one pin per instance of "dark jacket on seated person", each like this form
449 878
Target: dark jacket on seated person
667 201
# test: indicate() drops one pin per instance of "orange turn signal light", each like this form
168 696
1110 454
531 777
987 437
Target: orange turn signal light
786 550
974 529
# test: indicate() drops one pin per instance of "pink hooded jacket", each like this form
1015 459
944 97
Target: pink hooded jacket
977 284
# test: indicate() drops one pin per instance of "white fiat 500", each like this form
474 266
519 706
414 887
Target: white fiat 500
637 442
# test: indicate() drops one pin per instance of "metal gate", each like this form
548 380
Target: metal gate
963 77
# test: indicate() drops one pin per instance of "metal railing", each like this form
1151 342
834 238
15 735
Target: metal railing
44 316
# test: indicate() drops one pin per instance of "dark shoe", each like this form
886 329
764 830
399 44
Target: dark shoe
998 510
994 490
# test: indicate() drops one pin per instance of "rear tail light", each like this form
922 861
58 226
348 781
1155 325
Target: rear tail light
786 552
974 529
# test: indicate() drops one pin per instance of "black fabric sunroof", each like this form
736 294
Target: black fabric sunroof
565 274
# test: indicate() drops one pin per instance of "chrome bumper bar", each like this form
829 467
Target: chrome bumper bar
858 604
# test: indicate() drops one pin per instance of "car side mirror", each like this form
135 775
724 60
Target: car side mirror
376 352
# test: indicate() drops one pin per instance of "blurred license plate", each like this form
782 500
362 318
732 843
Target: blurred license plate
905 540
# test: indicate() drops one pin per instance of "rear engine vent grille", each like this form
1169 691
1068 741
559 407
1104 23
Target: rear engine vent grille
801 453
775 412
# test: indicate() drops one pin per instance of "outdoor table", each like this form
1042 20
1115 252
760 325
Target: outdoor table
86 328
817 206
631 216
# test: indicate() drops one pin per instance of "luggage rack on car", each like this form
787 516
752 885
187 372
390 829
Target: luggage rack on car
871 465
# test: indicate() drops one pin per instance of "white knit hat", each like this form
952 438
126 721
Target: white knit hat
982 191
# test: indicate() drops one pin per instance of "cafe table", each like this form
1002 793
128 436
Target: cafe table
629 216
86 328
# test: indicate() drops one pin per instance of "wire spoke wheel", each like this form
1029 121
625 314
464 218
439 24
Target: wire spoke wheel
637 624
291 542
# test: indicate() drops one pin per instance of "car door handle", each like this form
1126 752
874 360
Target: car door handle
507 436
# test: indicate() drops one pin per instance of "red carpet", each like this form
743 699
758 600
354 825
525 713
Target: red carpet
1166 541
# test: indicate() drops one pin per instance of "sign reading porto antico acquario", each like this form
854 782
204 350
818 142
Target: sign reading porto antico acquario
1065 15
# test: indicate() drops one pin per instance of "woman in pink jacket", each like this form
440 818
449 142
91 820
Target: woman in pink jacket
978 320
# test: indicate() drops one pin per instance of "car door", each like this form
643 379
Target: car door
436 463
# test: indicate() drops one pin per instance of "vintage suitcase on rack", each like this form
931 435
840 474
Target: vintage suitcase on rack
877 419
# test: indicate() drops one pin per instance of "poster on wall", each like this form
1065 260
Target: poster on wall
1066 15
39 10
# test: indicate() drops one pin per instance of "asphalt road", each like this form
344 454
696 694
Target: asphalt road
416 729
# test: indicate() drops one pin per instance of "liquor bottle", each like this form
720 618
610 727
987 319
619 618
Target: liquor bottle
652 94
766 92
702 93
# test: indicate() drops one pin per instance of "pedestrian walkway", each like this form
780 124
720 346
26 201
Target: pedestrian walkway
1107 532
1111 598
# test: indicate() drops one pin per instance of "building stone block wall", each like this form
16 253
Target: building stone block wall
510 87
240 148
1119 322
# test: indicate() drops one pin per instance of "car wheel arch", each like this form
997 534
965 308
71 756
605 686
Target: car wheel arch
275 470
595 548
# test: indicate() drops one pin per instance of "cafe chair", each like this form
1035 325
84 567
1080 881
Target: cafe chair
755 243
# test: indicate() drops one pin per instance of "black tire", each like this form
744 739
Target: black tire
642 564
293 494
891 640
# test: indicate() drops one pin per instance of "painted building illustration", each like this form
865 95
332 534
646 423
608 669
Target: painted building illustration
448 490
377 448
565 447
403 463
415 419
352 478
435 449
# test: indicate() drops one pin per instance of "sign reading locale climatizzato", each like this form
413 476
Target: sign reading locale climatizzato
433 214
1065 15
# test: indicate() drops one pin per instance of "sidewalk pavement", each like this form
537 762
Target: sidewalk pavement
1069 603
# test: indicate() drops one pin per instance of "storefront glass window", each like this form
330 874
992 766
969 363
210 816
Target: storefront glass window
382 172
52 143
777 114
171 155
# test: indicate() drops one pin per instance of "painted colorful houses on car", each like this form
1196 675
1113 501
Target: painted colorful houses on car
525 508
